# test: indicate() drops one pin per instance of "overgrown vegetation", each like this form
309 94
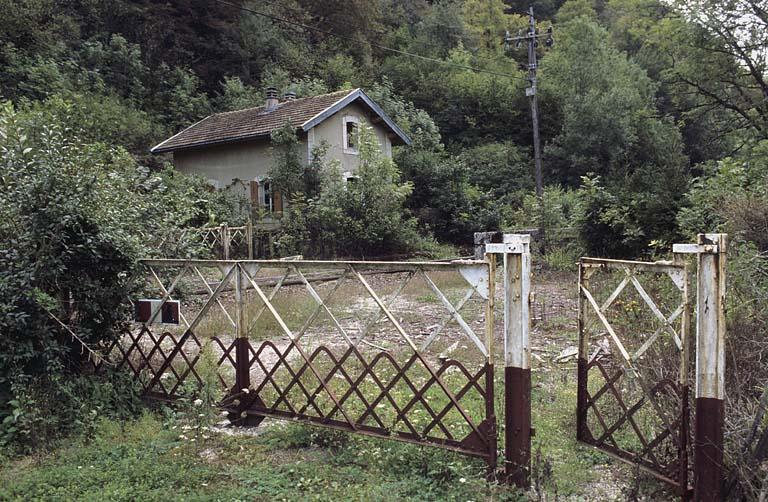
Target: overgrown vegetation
74 218
653 121
330 216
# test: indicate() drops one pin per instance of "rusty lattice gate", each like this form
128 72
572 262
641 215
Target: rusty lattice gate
635 367
633 375
394 350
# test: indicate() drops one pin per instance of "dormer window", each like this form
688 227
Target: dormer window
351 135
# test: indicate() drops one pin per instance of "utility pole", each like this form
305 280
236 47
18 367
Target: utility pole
532 40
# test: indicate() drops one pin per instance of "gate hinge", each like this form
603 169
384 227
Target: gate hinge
695 248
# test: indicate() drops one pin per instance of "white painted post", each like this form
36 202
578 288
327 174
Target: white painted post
516 251
710 363
710 369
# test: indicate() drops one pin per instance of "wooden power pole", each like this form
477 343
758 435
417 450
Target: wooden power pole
531 38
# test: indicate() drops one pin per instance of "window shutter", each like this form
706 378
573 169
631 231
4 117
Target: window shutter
277 201
254 194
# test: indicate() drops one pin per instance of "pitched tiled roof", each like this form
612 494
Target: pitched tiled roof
258 122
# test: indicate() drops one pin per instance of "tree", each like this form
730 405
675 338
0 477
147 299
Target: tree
363 216
609 129
236 96
74 218
730 40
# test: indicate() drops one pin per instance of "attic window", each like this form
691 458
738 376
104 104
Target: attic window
351 178
351 135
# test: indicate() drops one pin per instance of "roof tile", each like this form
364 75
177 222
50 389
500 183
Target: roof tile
249 123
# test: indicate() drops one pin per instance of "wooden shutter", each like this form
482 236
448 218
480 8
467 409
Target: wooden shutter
277 201
254 194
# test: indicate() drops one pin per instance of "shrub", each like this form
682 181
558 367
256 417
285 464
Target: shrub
364 216
74 219
45 407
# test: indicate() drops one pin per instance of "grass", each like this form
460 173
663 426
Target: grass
554 419
159 458
147 460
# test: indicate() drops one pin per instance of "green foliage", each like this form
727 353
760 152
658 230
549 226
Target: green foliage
416 123
196 409
47 407
74 218
363 216
287 172
607 226
442 198
235 95
571 9
501 170
560 209
731 196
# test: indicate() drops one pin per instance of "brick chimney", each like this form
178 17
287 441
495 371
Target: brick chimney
289 96
272 101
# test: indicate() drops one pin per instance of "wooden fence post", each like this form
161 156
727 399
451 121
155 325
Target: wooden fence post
249 238
224 229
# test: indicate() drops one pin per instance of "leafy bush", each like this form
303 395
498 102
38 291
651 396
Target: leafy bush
364 216
74 219
45 407
732 197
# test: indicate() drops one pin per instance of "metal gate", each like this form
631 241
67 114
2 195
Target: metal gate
400 350
633 367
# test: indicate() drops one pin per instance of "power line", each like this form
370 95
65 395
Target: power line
531 39
475 55
373 44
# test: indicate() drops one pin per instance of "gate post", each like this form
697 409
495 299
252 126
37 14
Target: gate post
710 364
710 369
516 251
242 370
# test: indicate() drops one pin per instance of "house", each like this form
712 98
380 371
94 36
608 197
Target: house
232 149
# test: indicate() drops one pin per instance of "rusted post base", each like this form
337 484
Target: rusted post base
582 430
708 449
490 417
517 431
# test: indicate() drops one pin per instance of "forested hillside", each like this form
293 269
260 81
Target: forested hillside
654 127
636 96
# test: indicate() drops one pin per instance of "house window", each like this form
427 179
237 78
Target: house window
351 178
351 135
269 199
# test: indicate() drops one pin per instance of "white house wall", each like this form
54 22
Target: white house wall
224 163
253 159
332 131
